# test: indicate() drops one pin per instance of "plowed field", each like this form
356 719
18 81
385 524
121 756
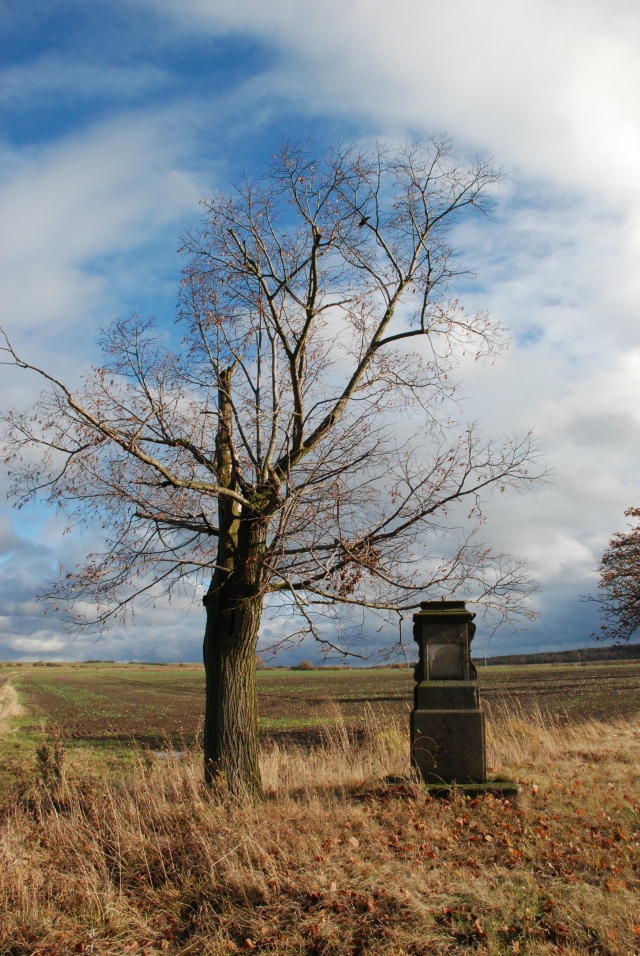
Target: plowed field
100 702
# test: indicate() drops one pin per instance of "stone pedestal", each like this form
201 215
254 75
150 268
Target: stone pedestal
447 725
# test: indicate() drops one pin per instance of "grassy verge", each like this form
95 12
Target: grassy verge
337 859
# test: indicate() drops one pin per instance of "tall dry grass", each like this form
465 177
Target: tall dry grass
518 739
378 748
335 860
78 851
9 706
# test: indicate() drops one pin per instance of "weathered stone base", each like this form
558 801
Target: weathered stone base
446 695
448 746
507 789
497 787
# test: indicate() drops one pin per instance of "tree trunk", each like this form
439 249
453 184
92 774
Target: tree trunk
231 710
234 608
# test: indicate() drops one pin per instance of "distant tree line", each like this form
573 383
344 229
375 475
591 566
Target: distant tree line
582 655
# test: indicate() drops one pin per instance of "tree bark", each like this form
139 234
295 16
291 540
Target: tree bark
234 608
231 709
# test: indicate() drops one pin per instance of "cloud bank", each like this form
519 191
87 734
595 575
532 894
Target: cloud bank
106 156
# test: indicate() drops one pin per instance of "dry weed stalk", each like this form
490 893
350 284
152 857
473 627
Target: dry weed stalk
335 860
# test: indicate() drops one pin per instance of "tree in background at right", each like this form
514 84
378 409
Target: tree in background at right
620 583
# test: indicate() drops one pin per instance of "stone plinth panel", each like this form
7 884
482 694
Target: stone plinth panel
446 695
448 746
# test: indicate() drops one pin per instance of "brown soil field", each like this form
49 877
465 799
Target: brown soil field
123 702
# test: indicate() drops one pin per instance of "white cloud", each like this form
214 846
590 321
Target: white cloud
550 86
550 89
102 191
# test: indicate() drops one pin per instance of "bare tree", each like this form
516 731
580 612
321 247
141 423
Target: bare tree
619 584
297 447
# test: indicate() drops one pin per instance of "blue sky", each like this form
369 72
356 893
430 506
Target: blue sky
118 117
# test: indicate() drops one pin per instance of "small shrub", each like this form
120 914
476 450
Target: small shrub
50 757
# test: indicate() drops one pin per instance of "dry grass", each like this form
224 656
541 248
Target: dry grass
9 706
336 860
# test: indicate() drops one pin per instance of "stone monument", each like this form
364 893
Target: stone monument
447 725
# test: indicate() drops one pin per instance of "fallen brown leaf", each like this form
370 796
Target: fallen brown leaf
479 928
